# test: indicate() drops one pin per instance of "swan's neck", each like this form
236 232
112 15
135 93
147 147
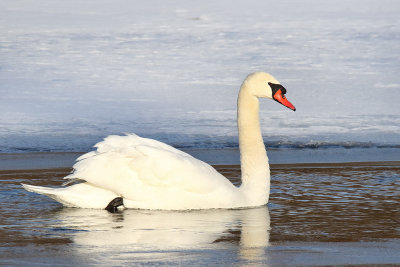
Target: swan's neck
253 156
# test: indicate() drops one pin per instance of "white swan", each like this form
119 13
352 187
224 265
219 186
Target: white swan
143 173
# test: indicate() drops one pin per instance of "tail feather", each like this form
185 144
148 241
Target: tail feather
37 189
54 193
81 195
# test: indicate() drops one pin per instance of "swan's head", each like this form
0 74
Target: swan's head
264 85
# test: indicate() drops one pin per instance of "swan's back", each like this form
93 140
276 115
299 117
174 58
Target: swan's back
150 174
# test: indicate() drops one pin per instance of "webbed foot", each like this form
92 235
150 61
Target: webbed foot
114 204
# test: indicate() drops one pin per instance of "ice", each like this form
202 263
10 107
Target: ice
74 70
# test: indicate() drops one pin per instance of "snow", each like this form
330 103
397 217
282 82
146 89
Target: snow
79 70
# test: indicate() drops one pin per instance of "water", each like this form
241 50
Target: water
318 214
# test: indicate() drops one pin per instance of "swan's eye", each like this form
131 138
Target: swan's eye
276 87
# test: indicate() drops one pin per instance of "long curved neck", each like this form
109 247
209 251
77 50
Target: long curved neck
253 156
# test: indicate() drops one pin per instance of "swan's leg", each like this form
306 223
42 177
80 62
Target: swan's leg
114 204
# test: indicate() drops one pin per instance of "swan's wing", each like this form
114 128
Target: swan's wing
141 169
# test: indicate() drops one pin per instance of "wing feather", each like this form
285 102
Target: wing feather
140 168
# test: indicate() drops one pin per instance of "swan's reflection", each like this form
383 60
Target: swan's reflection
137 230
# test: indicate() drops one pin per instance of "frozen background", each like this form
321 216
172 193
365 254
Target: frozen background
72 72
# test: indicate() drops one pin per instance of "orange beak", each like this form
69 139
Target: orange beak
280 97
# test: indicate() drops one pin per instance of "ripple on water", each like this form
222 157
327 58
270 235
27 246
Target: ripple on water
308 203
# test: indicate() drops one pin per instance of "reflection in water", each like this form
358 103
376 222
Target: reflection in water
138 231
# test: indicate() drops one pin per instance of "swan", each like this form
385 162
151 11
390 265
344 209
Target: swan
135 172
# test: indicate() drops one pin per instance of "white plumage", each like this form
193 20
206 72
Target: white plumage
148 174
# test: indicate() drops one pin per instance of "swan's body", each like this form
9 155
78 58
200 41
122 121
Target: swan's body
148 174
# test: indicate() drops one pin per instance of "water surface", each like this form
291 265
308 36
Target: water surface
318 214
